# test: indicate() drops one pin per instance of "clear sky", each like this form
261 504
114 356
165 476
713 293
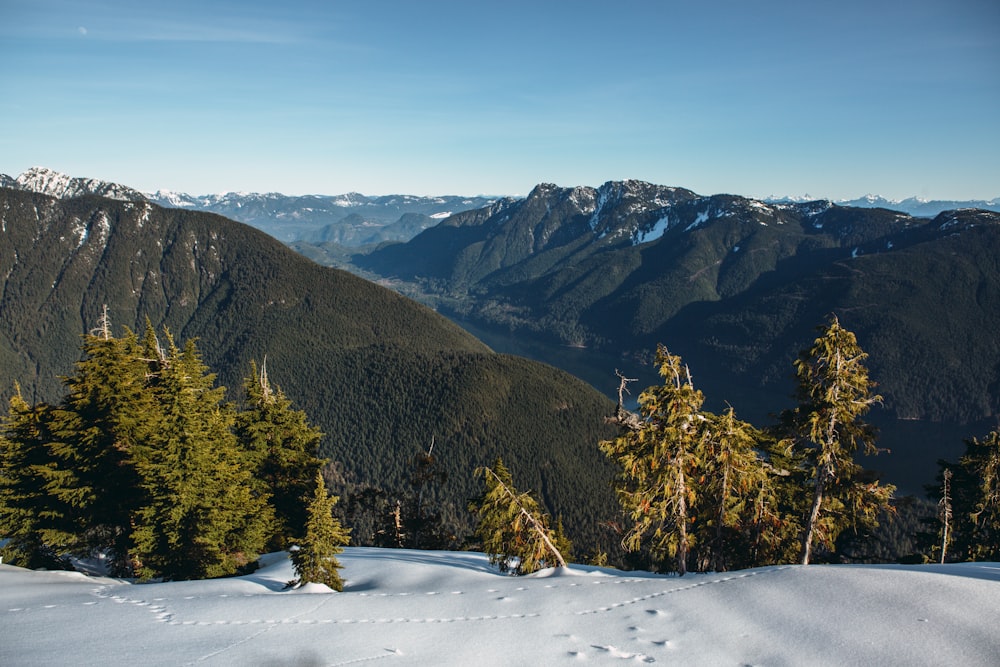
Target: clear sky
831 98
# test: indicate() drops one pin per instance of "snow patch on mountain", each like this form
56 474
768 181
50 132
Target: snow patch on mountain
699 220
659 229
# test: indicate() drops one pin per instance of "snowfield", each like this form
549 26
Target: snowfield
442 608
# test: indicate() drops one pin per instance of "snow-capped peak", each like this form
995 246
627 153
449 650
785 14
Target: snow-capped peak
55 184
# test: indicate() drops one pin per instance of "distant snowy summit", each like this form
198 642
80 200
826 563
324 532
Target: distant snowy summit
915 206
48 182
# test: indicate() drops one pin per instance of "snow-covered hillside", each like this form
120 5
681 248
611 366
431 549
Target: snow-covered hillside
438 608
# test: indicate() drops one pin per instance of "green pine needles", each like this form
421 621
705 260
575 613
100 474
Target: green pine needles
695 486
710 492
145 465
972 497
835 393
315 558
512 528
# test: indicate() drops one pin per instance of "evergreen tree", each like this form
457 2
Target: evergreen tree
975 499
27 511
282 449
982 460
692 483
421 519
407 519
511 526
741 523
315 559
91 437
834 393
202 518
140 463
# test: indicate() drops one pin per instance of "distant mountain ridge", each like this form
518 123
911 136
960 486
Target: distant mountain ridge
355 220
614 267
915 206
350 219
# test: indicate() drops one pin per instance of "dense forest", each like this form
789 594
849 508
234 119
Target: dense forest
145 465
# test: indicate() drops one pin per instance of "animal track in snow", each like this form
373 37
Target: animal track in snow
671 591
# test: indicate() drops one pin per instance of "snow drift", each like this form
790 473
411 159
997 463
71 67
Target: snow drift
440 608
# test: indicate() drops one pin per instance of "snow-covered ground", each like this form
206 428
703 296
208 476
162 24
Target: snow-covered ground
440 608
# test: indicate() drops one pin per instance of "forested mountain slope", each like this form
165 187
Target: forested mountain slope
379 374
734 285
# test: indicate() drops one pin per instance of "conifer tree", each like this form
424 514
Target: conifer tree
282 450
982 459
202 518
315 559
511 526
422 521
741 522
835 393
660 463
975 499
693 483
945 513
26 508
91 436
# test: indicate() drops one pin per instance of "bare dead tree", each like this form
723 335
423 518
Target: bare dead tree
103 329
623 417
265 386
944 512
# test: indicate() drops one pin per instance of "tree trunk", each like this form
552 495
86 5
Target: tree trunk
813 516
945 513
682 548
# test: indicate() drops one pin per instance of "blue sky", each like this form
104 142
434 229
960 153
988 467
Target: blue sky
833 99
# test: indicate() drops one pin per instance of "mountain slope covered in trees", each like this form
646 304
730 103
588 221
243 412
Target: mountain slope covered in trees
734 285
380 375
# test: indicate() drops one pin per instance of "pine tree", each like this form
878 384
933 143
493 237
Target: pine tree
742 524
27 510
91 436
982 459
202 518
511 526
140 463
975 499
282 449
660 461
693 483
315 559
422 522
834 393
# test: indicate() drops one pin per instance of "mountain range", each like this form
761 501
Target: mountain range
594 278
915 206
382 376
350 219
356 220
